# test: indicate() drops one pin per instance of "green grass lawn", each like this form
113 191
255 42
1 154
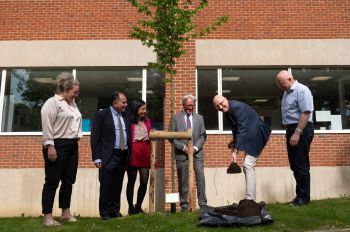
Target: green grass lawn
318 215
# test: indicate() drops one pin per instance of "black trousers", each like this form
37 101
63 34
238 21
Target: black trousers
111 182
64 169
299 159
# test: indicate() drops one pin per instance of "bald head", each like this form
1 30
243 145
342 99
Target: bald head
218 98
221 103
284 80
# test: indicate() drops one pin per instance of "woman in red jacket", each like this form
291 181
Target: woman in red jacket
140 156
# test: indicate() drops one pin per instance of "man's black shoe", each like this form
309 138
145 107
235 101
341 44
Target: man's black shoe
299 202
139 210
118 214
292 201
132 211
105 218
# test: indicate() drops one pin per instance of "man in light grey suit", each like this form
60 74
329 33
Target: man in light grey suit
183 121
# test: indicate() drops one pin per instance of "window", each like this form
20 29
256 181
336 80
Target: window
98 85
256 87
330 88
26 90
155 98
207 88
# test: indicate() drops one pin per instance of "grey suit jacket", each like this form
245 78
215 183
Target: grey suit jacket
199 135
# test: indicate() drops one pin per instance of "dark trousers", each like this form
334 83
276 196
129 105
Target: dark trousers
64 169
299 160
182 167
111 182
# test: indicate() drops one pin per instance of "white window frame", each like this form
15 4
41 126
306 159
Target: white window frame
74 73
228 132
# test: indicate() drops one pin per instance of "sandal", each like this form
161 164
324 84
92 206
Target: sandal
70 219
52 223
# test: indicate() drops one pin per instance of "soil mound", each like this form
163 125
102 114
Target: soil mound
245 208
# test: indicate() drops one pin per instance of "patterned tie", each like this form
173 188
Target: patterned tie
188 121
121 134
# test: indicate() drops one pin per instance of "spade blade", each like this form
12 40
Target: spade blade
234 168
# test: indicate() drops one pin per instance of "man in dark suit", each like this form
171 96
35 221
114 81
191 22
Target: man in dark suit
183 121
110 145
250 135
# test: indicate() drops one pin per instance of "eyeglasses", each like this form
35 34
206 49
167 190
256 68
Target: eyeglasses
189 106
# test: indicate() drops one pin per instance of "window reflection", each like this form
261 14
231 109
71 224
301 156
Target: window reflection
97 86
256 87
330 88
207 88
155 98
26 91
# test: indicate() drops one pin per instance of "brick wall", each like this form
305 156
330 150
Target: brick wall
25 152
279 19
326 150
65 20
249 19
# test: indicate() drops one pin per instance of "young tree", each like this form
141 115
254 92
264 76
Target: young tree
167 25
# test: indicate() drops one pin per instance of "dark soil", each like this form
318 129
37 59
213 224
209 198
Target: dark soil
245 208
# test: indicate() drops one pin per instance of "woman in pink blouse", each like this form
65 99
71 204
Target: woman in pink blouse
140 156
62 128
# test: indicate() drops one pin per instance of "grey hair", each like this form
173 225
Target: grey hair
189 96
64 82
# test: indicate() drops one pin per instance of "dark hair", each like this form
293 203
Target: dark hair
134 110
116 96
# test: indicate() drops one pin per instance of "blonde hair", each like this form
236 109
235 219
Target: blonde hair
64 82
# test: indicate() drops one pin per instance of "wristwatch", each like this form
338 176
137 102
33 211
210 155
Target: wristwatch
299 130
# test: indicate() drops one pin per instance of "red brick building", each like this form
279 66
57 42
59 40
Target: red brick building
40 38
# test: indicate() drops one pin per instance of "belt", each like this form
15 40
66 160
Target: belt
294 125
117 149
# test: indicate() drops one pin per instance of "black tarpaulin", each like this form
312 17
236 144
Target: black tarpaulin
247 212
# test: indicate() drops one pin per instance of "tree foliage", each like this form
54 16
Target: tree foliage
167 25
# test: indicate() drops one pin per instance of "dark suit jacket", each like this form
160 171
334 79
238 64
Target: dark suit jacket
249 131
103 136
198 134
